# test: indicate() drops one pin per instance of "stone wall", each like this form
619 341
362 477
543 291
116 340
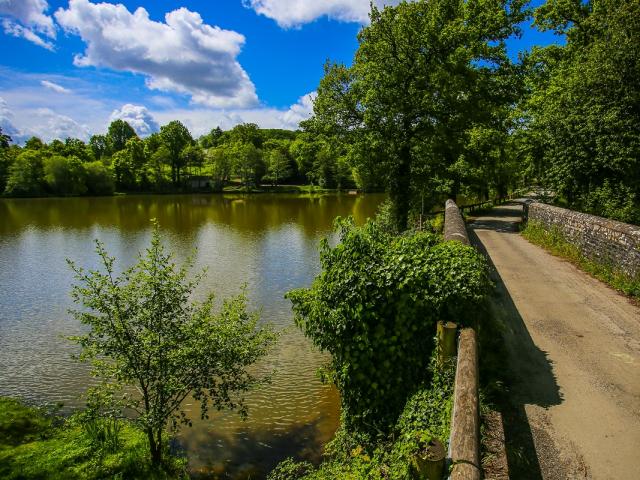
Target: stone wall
600 239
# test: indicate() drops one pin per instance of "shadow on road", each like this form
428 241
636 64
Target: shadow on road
529 374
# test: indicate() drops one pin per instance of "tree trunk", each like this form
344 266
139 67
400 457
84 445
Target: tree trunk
155 447
399 188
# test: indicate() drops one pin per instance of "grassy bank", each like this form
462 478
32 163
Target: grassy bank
556 243
35 444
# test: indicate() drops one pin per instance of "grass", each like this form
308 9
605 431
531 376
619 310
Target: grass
556 243
36 445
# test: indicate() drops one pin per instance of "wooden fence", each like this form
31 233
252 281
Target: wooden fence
464 444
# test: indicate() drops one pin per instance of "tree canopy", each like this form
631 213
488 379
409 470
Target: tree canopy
425 74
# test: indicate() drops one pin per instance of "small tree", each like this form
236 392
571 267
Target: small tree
146 333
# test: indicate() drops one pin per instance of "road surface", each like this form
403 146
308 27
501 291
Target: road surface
574 359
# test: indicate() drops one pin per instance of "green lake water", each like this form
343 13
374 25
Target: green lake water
267 241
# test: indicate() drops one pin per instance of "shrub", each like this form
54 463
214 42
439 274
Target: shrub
374 307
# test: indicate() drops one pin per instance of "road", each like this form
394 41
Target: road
574 361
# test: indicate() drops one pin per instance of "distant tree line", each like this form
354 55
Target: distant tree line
165 161
432 106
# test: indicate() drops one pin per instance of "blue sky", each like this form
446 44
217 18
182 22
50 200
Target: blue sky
69 67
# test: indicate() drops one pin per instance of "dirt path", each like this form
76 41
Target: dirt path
574 355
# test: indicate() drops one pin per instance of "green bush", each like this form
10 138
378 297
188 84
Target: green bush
375 306
426 415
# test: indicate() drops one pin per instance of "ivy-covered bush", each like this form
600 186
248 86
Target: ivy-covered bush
374 308
426 415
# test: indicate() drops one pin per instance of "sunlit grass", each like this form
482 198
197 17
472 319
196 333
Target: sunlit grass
556 243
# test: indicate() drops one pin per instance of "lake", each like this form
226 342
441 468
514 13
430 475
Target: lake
268 241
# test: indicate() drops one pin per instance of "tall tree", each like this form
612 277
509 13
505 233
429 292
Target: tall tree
99 146
175 136
117 135
248 163
65 175
425 72
26 175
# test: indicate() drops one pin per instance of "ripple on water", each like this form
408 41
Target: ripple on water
268 242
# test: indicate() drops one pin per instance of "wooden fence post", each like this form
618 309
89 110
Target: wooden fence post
430 462
446 335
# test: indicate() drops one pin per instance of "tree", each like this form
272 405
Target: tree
157 160
425 72
212 139
123 170
581 114
117 135
192 157
34 143
99 179
99 146
303 150
220 163
175 136
65 176
25 175
248 163
135 149
278 162
246 133
77 148
5 140
6 159
278 167
145 332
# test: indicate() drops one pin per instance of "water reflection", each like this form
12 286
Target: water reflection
268 241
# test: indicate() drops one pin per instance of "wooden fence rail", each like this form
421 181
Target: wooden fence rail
464 444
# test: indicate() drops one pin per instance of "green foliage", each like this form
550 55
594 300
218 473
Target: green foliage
425 75
175 137
555 242
375 306
65 175
118 134
25 175
99 179
426 415
145 332
248 163
581 122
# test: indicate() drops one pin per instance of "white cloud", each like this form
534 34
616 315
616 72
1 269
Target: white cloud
138 117
201 120
27 19
299 111
293 13
43 123
182 55
6 122
54 86
49 125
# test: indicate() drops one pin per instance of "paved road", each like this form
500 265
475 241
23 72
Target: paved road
574 352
